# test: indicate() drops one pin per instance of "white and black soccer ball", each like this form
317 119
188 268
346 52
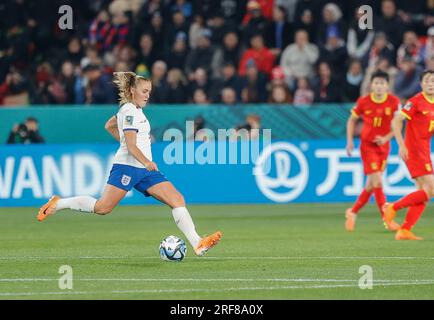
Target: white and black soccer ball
172 249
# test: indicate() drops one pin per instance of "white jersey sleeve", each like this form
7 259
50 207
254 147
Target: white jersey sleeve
130 117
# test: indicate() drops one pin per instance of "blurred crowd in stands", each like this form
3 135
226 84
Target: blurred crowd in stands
212 51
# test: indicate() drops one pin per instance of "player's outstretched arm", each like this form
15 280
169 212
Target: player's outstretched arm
112 127
131 139
351 124
397 125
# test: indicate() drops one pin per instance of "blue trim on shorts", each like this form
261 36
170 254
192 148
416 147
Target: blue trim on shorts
127 177
131 129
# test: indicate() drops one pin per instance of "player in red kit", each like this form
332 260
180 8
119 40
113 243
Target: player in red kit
376 110
415 150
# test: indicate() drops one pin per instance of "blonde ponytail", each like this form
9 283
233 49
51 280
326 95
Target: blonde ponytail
125 81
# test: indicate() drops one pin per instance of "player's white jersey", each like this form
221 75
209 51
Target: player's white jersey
130 117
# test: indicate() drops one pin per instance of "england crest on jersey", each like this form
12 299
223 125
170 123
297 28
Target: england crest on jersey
125 180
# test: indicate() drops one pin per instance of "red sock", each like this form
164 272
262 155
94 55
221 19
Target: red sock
361 200
411 199
380 198
413 215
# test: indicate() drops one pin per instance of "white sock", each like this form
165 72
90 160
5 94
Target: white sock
82 203
185 224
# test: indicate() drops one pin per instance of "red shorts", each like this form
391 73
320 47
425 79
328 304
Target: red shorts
374 157
419 163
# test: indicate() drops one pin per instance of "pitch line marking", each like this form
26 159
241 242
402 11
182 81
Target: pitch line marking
5 294
218 258
211 280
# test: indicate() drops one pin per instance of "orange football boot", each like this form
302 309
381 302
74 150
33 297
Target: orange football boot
207 243
48 209
350 221
404 234
392 225
389 213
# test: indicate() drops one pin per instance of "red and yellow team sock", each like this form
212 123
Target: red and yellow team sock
380 198
412 199
361 200
413 215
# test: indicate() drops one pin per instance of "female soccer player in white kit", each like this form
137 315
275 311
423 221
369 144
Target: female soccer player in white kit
133 166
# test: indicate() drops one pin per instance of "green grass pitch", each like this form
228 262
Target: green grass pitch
267 252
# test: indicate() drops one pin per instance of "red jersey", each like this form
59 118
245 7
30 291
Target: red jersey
420 127
377 115
419 111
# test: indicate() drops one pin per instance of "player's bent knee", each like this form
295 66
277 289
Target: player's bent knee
376 184
429 191
177 200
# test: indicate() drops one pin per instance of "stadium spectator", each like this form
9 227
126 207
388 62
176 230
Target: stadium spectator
331 24
74 51
118 33
200 80
229 53
149 9
183 6
279 94
359 40
178 54
160 87
303 95
417 14
262 56
202 56
306 11
253 84
146 53
15 89
25 133
381 48
177 92
200 97
250 129
254 21
409 47
233 11
390 23
157 30
277 76
124 35
429 64
383 64
91 56
408 78
352 82
99 29
229 79
99 89
334 52
219 27
289 6
229 96
326 88
68 80
196 28
179 24
427 50
299 58
48 89
278 33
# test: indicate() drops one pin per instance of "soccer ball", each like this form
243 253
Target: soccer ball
172 249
